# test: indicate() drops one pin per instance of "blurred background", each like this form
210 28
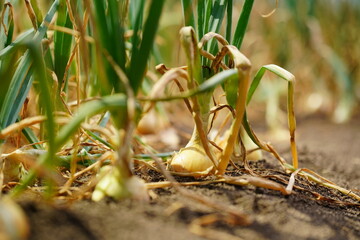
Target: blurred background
318 41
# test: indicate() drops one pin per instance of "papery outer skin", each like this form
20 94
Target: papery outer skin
110 185
191 159
113 185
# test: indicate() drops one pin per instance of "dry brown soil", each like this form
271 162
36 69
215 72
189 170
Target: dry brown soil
331 150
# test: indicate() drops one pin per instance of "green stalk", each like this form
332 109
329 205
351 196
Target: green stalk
109 30
242 23
137 11
188 15
37 11
243 66
195 77
36 54
139 61
216 18
46 99
287 76
62 44
8 23
229 10
21 80
201 8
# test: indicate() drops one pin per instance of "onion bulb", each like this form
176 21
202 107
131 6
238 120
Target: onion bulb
192 158
113 184
152 122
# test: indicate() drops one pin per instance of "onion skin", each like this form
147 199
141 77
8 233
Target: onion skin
113 184
191 159
152 123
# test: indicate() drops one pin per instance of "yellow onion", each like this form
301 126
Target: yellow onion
191 159
152 122
113 184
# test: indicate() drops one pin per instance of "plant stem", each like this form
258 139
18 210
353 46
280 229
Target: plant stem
244 76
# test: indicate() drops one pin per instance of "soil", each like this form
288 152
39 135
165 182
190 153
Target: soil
331 150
